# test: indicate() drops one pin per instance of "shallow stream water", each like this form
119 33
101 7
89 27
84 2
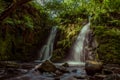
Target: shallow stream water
75 70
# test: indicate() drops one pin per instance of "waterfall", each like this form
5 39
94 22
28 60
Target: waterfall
47 49
78 49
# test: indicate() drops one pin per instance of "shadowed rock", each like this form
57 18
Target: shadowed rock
93 67
47 66
65 64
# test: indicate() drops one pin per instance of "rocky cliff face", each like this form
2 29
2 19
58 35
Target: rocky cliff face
90 46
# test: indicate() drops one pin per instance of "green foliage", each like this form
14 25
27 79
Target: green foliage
68 34
4 4
28 20
22 32
104 12
109 40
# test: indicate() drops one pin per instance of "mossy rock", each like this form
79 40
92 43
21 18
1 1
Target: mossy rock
47 66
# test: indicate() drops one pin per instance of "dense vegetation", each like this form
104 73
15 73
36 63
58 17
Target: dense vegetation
24 29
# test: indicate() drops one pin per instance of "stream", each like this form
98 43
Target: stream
74 71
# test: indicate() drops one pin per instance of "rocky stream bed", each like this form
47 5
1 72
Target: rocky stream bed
63 71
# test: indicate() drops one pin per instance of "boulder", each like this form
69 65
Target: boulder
47 66
65 64
92 67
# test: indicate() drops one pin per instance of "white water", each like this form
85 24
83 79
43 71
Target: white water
77 51
47 49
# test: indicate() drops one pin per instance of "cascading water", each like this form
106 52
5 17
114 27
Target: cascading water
47 49
78 49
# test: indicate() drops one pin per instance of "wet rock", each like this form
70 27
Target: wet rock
116 70
58 73
91 78
22 78
72 78
63 69
107 72
100 77
27 65
80 77
93 67
22 71
15 71
9 64
11 71
57 78
65 65
74 71
47 66
113 77
48 74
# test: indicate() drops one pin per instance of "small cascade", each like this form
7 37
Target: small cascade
78 48
47 49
